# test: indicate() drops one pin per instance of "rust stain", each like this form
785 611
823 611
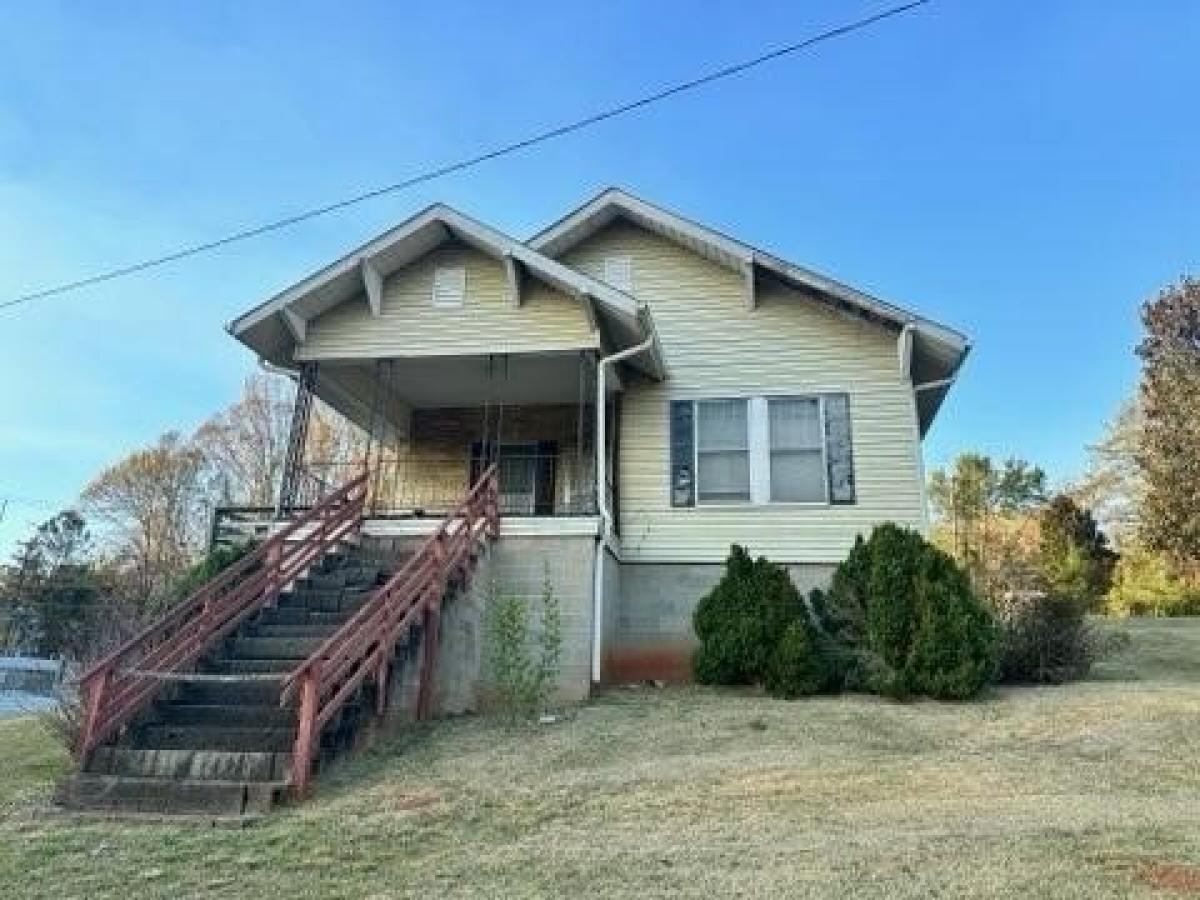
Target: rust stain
662 662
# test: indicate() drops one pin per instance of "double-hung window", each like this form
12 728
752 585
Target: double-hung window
722 452
797 450
761 450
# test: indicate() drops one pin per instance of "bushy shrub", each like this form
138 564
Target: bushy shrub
905 618
1076 560
742 618
954 645
1044 639
801 663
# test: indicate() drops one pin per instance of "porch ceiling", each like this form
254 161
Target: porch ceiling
465 381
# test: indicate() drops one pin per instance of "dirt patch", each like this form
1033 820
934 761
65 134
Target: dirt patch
1171 877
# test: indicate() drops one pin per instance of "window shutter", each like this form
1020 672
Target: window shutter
683 453
839 448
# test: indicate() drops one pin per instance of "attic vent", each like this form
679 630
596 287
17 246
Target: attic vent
449 286
618 272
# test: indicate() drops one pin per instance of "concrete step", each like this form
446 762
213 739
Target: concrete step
324 601
292 630
274 647
188 798
329 600
231 715
299 615
256 692
249 666
349 576
190 765
234 738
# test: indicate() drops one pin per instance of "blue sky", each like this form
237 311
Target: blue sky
1026 172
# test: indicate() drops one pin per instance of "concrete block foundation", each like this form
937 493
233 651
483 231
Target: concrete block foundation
645 625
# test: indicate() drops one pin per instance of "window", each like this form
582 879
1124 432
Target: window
449 286
722 452
761 450
618 272
797 449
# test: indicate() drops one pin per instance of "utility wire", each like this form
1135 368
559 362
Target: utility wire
470 162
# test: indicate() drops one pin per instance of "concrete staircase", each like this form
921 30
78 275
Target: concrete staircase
217 744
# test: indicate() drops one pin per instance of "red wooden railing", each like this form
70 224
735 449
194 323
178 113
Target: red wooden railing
363 647
126 680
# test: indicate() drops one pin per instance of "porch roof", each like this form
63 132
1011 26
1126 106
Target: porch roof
274 328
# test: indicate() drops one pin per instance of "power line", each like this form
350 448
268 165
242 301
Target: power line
470 162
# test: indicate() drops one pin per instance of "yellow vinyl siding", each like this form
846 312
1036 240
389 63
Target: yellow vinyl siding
487 322
715 347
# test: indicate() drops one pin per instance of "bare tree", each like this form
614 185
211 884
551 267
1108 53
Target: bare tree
245 444
155 509
1113 484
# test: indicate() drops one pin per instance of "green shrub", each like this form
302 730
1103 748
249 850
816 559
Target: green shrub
801 663
904 617
209 567
742 618
954 644
1044 639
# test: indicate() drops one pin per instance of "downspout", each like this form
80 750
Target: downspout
605 537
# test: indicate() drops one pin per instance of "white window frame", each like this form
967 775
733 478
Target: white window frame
459 273
624 261
758 438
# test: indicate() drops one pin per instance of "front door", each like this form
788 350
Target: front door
526 471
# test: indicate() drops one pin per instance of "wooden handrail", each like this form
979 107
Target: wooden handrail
122 683
363 646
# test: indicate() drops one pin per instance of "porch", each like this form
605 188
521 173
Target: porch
426 427
545 454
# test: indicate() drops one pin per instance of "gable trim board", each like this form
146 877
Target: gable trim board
276 327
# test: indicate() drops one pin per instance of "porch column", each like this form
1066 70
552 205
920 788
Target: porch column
293 463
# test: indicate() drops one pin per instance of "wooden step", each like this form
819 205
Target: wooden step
251 692
189 765
234 715
221 737
114 793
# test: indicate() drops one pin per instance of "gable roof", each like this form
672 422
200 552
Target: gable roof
273 327
937 351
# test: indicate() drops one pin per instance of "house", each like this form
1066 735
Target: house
651 389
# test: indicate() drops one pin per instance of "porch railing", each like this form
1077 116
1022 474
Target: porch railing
125 681
431 485
363 647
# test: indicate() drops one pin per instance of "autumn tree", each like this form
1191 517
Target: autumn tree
1169 454
155 508
983 510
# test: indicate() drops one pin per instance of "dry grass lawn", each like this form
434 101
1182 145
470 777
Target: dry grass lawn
1091 790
